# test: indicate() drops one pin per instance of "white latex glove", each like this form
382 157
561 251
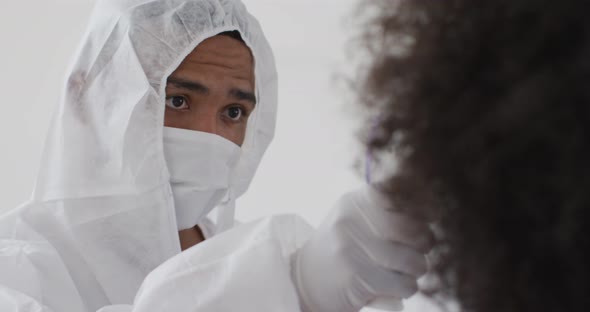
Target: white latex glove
362 252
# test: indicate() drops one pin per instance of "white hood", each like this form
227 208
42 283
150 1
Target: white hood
106 138
102 203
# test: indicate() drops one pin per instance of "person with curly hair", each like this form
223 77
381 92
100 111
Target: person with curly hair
486 107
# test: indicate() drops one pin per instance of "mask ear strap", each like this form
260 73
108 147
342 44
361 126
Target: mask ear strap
226 214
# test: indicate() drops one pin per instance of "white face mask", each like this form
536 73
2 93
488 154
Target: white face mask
201 166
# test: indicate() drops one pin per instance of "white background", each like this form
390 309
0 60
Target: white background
311 161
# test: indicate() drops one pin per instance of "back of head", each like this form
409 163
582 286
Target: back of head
487 106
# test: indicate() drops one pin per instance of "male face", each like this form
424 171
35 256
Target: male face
213 89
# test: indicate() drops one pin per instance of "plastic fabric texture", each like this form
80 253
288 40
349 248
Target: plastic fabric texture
246 269
101 217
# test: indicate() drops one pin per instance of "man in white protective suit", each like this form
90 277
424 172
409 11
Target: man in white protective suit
166 113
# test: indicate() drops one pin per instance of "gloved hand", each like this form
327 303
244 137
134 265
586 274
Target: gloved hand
362 251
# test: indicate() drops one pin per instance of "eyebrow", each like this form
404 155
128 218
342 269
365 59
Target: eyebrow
235 93
243 95
189 85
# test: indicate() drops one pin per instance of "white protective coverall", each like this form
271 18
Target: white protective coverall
102 215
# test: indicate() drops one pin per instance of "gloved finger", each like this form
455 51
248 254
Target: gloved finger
404 229
388 223
396 257
403 197
379 282
390 304
398 227
386 254
420 210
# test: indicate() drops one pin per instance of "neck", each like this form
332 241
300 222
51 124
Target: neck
190 237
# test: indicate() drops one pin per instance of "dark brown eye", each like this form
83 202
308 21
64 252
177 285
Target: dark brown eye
234 113
176 102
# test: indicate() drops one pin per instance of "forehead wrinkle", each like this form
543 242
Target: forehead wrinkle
214 69
220 64
223 58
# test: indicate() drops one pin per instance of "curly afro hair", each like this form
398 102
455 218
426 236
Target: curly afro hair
486 106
